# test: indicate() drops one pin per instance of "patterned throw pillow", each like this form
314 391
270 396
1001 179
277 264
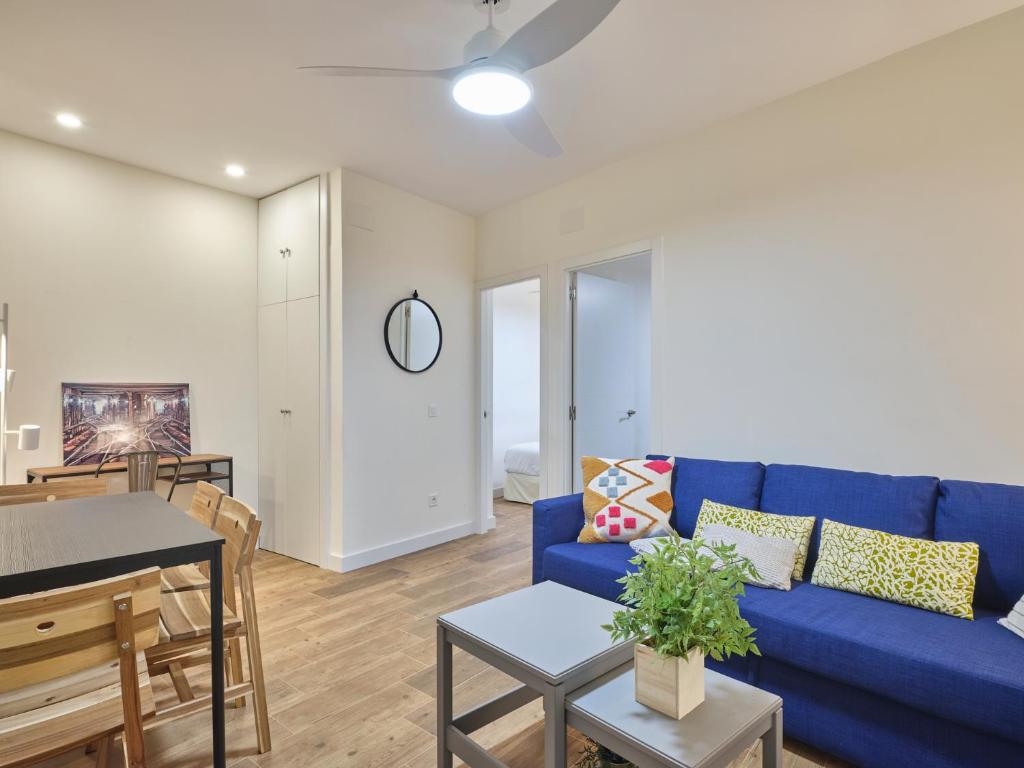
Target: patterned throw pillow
772 557
795 529
1015 621
626 499
934 575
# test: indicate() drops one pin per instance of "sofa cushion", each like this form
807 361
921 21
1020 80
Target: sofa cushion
968 672
590 568
737 483
900 505
993 516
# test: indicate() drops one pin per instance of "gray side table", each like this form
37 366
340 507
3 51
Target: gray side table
548 637
732 716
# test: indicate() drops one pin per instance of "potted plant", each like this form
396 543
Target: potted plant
596 756
682 607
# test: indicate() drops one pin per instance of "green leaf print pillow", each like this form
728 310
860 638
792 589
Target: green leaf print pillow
935 575
789 527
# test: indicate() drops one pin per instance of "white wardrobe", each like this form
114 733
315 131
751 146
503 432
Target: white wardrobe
289 371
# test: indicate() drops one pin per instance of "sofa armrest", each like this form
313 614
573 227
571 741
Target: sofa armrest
555 521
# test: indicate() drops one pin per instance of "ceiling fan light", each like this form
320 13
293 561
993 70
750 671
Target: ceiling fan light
491 91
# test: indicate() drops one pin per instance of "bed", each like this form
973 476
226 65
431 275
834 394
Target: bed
522 473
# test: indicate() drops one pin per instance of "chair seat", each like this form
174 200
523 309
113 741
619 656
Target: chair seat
182 578
88 705
186 616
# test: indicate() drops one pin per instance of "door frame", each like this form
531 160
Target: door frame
485 387
561 428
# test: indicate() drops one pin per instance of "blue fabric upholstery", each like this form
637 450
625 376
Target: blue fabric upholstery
971 672
555 521
875 683
867 729
992 516
902 505
589 568
737 483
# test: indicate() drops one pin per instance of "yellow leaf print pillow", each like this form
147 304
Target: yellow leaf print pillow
935 575
789 527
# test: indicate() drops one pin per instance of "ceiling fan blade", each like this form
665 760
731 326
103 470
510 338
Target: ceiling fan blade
530 130
552 32
444 74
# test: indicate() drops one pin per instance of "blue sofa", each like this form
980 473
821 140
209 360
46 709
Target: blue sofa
872 682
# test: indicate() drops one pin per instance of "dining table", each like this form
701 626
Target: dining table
52 544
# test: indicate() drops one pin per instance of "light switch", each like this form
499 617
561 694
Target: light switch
432 411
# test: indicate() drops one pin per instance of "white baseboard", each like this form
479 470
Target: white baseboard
489 524
499 492
356 560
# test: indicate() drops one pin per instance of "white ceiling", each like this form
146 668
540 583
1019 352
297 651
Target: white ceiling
186 86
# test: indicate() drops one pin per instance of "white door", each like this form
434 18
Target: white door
298 533
272 265
611 371
302 240
273 449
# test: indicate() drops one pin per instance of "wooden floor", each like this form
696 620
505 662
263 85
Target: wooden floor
349 660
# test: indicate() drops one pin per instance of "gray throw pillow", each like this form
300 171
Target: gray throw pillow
1015 621
773 558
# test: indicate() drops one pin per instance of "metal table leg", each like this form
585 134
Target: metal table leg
217 653
771 743
554 727
444 698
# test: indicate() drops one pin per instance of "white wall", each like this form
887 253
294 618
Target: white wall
842 268
116 274
516 369
394 455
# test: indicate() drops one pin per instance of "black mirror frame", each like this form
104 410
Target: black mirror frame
387 341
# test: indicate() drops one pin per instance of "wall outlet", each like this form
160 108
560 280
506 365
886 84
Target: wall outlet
432 500
432 411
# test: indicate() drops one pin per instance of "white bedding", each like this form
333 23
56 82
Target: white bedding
523 459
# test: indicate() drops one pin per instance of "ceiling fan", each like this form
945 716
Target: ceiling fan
491 80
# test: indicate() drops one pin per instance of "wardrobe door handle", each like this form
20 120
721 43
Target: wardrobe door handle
286 411
281 251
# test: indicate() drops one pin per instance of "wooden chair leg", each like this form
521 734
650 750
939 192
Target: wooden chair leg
234 669
124 631
255 654
104 748
180 681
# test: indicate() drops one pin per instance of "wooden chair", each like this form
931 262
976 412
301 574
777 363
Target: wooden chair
29 493
72 669
143 470
180 578
185 626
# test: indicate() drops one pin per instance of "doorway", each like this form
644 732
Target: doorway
611 331
511 393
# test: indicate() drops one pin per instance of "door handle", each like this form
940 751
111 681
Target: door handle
288 252
281 251
629 415
286 411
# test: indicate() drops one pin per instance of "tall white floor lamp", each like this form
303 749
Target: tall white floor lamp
28 434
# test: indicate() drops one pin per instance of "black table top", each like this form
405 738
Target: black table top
59 543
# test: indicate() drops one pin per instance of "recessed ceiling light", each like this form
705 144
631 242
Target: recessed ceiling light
69 120
234 170
491 90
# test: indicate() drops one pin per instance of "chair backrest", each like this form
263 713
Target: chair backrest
29 493
47 635
235 523
142 470
205 503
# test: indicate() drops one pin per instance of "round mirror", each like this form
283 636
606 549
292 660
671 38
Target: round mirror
412 334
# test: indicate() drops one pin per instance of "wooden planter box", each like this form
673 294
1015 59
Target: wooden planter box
672 686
